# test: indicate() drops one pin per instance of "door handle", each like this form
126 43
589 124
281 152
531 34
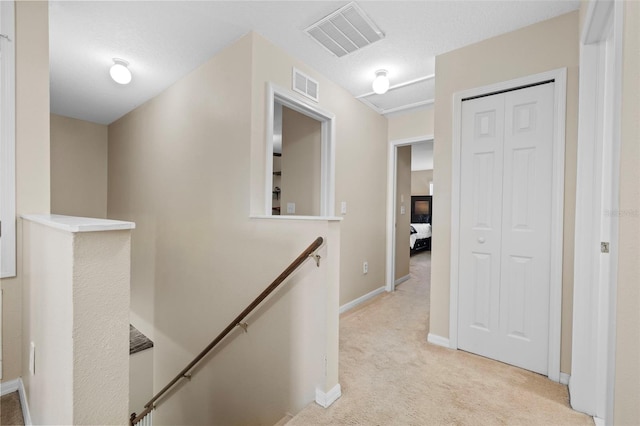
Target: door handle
481 240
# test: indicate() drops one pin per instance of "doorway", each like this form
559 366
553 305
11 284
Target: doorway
505 197
399 202
297 153
318 152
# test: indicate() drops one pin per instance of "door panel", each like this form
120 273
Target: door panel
480 222
506 163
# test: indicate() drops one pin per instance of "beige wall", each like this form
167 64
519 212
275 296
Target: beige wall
411 124
540 47
32 159
76 313
179 166
358 130
300 162
403 200
627 380
407 125
420 180
48 307
78 167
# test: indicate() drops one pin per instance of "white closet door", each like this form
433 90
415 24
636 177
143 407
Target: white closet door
480 224
505 226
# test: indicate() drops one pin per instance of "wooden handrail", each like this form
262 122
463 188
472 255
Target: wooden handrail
236 322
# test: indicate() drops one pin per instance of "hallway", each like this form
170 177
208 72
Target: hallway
390 375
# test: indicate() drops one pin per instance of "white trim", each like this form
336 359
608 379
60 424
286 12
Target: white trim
326 399
559 76
598 421
401 108
78 224
7 143
438 340
327 121
401 280
286 419
372 106
565 378
400 85
595 280
9 386
408 106
360 300
392 157
17 386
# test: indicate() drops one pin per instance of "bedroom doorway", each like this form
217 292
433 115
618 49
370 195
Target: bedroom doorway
409 190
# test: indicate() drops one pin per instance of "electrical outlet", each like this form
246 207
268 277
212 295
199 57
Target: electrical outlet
291 208
402 210
343 207
365 267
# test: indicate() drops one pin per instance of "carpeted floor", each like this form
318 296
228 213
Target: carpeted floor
390 375
10 410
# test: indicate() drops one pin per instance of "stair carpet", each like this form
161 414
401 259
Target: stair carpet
11 409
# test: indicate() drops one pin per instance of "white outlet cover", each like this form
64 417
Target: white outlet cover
343 207
291 208
402 210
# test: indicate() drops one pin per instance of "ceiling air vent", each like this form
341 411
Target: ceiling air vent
305 85
345 30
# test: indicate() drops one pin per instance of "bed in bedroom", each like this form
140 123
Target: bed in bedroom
420 237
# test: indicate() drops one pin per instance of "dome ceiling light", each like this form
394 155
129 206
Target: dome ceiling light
120 72
381 82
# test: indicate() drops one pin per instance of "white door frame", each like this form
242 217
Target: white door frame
7 141
597 190
392 162
559 76
327 121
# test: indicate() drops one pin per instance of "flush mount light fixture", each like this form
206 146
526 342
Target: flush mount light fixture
120 72
381 82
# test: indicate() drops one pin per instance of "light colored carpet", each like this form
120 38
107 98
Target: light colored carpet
11 410
390 375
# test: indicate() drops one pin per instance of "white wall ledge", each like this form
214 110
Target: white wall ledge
78 224
285 217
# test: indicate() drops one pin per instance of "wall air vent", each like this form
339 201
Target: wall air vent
305 85
345 30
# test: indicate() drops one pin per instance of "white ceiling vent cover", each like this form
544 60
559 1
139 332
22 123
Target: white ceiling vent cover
345 30
305 85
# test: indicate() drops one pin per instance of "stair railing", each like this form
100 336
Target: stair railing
144 416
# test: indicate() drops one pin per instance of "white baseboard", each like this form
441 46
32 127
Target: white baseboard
564 378
347 306
598 421
438 340
326 399
283 421
9 386
402 279
13 386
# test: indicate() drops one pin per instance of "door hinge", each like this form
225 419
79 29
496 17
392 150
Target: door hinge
604 247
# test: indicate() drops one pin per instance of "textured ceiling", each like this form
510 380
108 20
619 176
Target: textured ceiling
164 40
